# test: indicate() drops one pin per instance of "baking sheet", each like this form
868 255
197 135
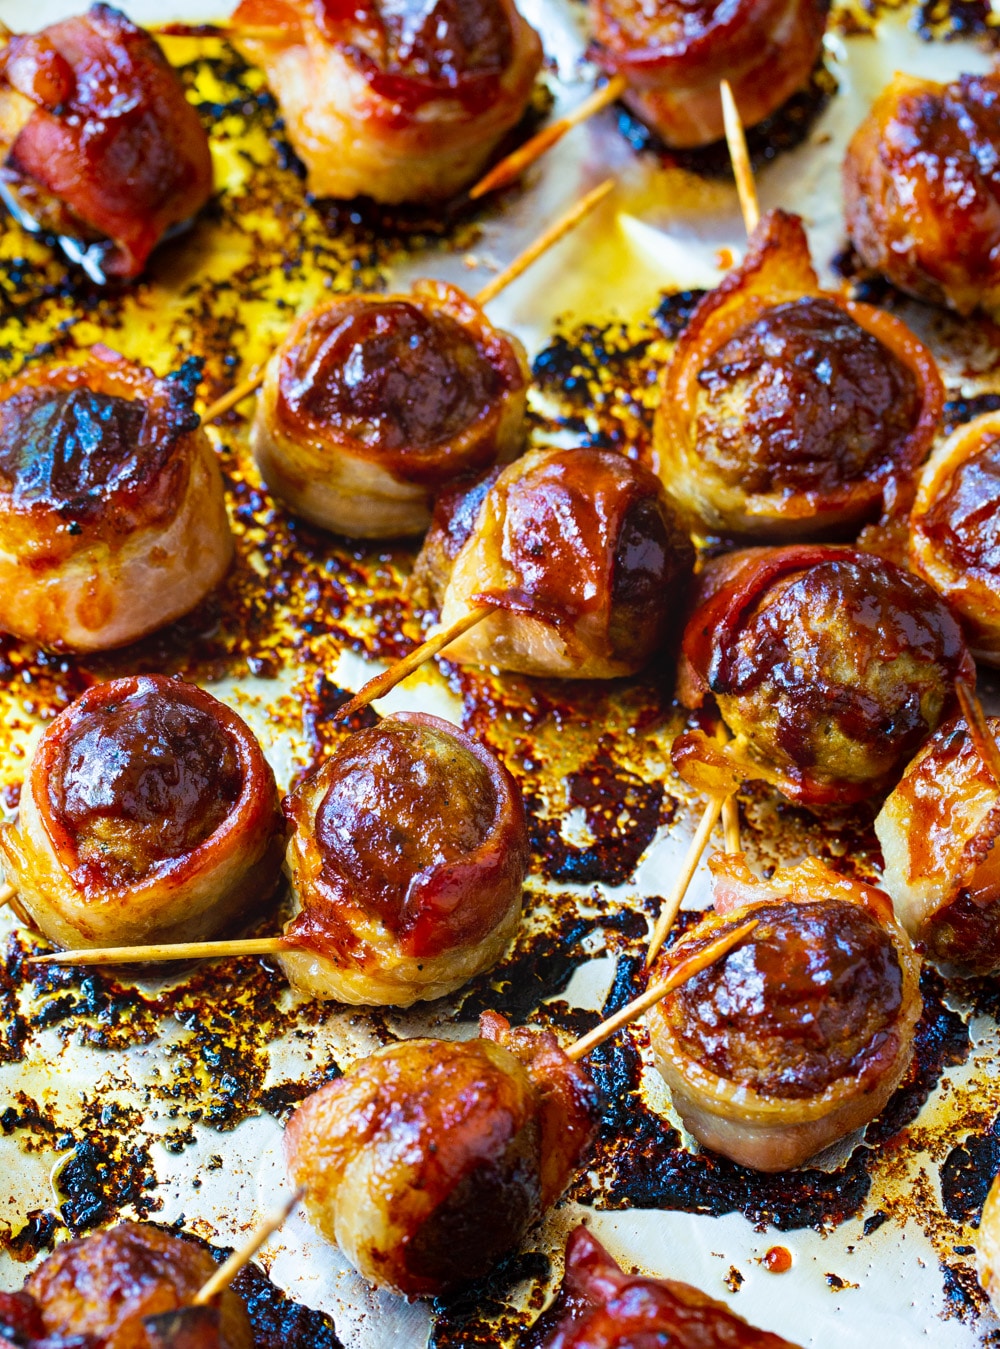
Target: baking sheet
124 1069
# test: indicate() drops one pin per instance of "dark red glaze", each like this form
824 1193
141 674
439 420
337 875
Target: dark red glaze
21 1327
97 446
811 633
419 826
143 775
410 52
804 1001
602 1307
144 779
104 1285
112 150
586 530
803 399
569 1102
686 38
963 520
922 188
401 379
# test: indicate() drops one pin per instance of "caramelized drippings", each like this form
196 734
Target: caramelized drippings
803 399
404 798
67 447
143 781
801 1004
964 519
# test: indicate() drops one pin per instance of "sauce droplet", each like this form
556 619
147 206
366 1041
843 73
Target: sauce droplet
777 1260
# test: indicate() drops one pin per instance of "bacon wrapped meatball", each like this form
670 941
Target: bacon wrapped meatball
407 865
955 530
830 666
149 814
373 403
98 143
104 1286
112 513
578 550
799 1035
428 1161
922 189
602 1307
401 101
938 832
787 412
674 54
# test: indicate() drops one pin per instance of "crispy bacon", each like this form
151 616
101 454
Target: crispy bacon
602 1307
954 540
802 1033
399 102
939 833
112 512
832 665
407 865
105 1285
97 139
149 814
922 189
429 1160
581 554
674 54
788 413
373 403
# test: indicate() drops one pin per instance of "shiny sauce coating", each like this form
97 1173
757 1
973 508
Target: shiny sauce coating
392 376
800 1004
68 447
405 798
803 399
142 781
844 667
964 519
408 43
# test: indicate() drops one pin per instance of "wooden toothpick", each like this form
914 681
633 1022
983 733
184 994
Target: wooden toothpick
228 1271
680 974
511 168
185 950
7 893
672 905
545 241
979 729
737 143
383 683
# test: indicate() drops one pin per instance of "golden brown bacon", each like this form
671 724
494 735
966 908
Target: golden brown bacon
428 1161
674 54
97 141
988 1245
407 865
373 403
112 514
787 412
602 1307
833 665
922 189
149 814
104 1286
955 530
939 832
801 1034
400 102
21 1326
581 554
